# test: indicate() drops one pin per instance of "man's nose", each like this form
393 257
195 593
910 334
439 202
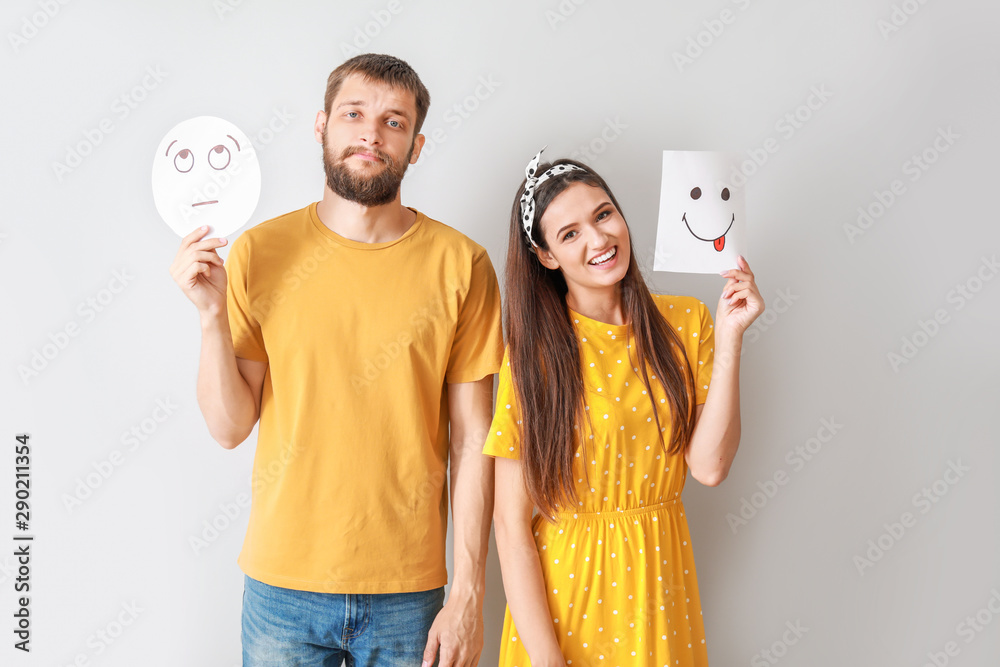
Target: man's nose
371 133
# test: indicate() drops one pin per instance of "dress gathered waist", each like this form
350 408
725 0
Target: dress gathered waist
611 515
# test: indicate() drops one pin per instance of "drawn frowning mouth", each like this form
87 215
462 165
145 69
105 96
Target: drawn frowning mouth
202 203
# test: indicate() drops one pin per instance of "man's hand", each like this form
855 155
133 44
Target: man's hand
200 272
457 632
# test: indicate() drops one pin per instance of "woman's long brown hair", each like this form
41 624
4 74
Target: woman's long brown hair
544 354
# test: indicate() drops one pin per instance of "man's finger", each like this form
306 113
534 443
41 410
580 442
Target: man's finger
430 651
194 236
207 256
447 657
209 244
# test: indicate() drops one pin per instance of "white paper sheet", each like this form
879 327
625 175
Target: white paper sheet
205 172
702 222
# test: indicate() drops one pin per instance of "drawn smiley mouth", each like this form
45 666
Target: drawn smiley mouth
202 203
719 242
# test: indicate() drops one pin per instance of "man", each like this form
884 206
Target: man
356 329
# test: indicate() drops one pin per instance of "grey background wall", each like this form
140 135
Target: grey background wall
871 141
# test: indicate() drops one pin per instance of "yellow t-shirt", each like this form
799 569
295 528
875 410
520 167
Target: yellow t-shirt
361 339
619 568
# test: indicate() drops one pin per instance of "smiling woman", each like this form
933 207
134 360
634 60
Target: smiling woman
601 388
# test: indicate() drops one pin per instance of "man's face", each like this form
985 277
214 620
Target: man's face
368 140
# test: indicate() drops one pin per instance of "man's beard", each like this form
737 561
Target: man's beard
368 191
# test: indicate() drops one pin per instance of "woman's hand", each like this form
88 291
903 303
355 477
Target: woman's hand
740 303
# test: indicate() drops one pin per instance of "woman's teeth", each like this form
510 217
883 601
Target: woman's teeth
605 257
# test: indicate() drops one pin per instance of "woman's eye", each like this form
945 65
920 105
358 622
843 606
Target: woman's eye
183 161
218 157
572 231
603 214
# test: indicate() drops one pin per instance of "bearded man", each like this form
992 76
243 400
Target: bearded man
364 336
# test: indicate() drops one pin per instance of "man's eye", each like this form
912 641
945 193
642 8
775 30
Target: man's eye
352 114
394 123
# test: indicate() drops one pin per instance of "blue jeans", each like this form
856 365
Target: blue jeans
283 627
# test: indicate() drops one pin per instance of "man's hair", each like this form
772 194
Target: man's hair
384 69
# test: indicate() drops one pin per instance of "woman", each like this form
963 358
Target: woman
603 405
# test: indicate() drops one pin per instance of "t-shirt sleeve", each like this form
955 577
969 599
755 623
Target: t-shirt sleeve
503 436
247 338
706 354
477 347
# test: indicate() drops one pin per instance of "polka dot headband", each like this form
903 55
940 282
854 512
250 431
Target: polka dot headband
528 198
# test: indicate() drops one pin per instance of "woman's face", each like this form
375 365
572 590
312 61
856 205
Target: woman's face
582 226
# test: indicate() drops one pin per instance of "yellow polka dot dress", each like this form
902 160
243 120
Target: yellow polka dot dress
619 570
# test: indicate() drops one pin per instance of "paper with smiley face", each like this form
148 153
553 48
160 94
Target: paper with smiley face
205 172
702 223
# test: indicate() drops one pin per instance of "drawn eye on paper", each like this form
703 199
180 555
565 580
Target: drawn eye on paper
702 221
205 172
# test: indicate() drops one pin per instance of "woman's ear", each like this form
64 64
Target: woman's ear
547 259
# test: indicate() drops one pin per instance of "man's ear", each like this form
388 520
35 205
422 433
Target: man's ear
418 144
319 125
547 259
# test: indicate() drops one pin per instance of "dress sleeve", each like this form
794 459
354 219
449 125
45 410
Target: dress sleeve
503 436
248 341
706 354
478 344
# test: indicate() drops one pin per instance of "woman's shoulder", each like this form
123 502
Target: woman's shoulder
679 307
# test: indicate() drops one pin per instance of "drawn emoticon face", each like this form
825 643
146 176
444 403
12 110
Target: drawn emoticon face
205 172
702 220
